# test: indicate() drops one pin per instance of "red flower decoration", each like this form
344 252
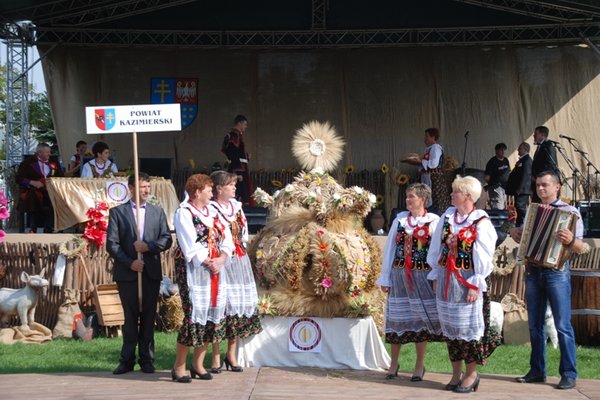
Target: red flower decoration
421 233
95 229
468 234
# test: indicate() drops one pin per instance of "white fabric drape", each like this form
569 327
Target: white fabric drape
347 343
380 100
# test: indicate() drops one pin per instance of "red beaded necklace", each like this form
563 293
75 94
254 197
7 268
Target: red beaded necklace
226 208
464 220
200 211
417 219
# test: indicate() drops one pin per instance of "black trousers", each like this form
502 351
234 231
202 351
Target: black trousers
521 203
139 327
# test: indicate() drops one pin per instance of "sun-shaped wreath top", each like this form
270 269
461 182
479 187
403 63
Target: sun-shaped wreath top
313 256
317 147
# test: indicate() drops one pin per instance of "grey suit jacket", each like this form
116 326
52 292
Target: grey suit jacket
122 234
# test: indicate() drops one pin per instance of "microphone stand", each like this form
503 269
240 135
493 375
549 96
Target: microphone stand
587 182
572 166
463 166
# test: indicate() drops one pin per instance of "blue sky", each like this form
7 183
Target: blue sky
36 76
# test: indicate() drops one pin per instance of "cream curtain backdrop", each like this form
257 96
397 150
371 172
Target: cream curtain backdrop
380 100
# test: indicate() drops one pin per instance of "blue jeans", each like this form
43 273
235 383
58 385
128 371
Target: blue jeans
546 284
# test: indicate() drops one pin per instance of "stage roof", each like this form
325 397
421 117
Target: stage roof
302 23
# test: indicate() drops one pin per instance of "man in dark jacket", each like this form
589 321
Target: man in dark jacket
235 149
33 197
519 182
123 245
544 158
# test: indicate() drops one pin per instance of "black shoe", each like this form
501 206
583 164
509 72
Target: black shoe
452 386
394 375
180 379
122 369
147 368
530 378
216 370
234 368
566 383
416 378
195 374
467 389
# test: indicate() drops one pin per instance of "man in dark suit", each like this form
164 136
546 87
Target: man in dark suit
123 245
519 182
33 197
544 158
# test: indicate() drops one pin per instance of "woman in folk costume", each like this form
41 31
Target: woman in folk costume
205 245
460 255
432 171
411 314
101 166
242 298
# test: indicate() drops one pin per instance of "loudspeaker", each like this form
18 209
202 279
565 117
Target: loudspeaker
256 218
590 213
157 166
497 218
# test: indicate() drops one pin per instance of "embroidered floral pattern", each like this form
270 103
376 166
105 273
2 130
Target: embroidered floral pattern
418 249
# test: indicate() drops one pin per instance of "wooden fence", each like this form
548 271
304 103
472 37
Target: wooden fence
33 257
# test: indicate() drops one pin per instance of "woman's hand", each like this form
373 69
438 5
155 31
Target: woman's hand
472 295
384 289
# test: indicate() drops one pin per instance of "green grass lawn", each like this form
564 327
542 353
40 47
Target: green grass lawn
102 354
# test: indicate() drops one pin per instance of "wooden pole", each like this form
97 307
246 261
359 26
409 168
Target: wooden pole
137 211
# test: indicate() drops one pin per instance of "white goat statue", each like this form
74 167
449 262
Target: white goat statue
22 302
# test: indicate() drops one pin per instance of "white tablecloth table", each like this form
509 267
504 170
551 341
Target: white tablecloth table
347 343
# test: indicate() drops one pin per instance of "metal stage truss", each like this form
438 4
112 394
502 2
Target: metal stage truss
571 33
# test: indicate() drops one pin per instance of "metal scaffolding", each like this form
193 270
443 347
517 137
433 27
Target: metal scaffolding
565 33
18 36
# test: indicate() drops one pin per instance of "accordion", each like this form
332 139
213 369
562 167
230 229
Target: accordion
539 243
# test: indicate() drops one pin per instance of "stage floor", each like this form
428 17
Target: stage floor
277 383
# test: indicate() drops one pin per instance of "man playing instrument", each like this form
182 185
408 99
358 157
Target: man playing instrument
551 286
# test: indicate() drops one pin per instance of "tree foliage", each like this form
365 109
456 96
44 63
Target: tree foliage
40 115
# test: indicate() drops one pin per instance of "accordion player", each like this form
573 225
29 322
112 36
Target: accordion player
539 243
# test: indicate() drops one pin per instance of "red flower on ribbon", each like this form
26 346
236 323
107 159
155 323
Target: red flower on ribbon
421 233
468 234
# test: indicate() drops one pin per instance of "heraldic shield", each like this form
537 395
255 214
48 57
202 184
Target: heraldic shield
105 118
177 90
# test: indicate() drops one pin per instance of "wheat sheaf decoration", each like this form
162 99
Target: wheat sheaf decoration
317 146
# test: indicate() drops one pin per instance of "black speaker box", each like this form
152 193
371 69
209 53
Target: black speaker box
157 166
256 218
590 213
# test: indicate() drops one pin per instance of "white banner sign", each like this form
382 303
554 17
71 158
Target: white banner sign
138 118
305 335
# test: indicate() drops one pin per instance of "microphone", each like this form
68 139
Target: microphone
566 137
554 143
466 133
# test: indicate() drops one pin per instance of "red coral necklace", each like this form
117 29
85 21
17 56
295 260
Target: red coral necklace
226 207
206 214
465 219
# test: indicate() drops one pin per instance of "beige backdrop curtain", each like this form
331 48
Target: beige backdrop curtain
380 100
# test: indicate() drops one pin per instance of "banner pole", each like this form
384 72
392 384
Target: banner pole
137 212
